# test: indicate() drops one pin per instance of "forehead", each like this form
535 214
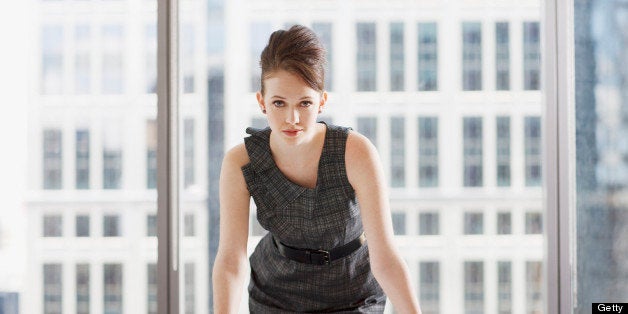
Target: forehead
284 82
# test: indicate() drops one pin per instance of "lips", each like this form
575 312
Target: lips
291 132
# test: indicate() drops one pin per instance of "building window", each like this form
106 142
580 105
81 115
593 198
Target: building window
259 123
53 289
533 151
428 57
188 143
324 32
531 56
473 223
151 225
503 151
82 288
82 226
82 59
534 287
151 273
397 64
534 223
190 291
113 59
429 287
111 226
151 154
189 230
472 151
366 59
399 223
112 288
187 58
504 223
428 224
53 161
504 288
473 287
112 156
150 57
471 56
259 33
367 126
53 226
397 152
82 159
9 302
502 56
428 151
52 59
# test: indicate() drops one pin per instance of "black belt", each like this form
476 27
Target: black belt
319 257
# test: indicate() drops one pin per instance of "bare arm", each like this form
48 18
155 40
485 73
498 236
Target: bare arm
229 270
365 174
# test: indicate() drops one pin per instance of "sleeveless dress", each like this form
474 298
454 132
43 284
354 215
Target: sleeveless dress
323 217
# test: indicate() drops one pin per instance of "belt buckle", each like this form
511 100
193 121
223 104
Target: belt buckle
320 257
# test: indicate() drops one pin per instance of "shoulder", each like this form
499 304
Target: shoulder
237 156
361 158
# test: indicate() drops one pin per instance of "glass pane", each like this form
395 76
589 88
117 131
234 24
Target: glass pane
74 203
452 105
601 179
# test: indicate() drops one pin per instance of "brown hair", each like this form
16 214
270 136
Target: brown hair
298 51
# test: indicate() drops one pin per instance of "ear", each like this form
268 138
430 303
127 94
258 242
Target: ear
260 101
323 102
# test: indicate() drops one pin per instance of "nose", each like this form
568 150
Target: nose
293 116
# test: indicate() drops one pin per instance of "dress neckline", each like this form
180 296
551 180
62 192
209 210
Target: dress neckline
320 162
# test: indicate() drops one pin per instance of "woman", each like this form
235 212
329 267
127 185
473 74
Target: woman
319 191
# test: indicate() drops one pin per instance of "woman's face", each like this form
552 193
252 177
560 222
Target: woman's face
291 106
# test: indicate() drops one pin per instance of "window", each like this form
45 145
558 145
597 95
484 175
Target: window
112 157
428 57
324 32
53 289
259 123
53 162
397 63
189 230
82 159
428 224
151 225
428 151
112 59
190 289
259 33
189 160
503 151
82 289
82 226
472 138
151 274
187 58
534 224
474 287
82 59
531 56
52 59
112 288
502 56
504 287
533 151
504 224
151 154
366 60
429 287
471 56
397 152
111 226
534 287
367 126
53 226
150 53
399 223
473 223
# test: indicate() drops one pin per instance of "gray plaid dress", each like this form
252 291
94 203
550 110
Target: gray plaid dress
324 217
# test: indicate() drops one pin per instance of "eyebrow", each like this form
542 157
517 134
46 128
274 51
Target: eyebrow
302 98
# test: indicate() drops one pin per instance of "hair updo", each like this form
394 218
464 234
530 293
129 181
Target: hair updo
298 51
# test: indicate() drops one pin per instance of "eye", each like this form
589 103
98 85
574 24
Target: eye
278 103
306 103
